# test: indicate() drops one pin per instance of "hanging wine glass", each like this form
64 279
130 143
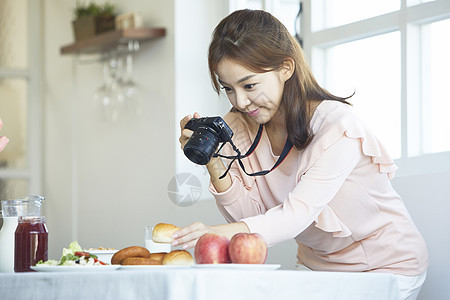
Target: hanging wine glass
131 90
119 95
110 95
99 95
115 89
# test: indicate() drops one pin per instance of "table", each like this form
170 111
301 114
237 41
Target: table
199 284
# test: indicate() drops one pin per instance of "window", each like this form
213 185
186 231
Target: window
20 98
394 55
435 78
375 80
333 13
395 58
284 10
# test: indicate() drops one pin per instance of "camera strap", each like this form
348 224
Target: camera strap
287 148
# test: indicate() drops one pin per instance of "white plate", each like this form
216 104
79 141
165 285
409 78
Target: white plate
102 268
100 252
256 267
103 255
152 267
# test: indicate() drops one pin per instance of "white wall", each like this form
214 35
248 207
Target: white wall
58 102
105 181
194 24
427 199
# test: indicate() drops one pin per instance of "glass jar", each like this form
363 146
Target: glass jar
11 210
31 243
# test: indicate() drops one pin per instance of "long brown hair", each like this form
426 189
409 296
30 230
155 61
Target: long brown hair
259 42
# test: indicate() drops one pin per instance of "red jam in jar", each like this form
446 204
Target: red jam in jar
31 243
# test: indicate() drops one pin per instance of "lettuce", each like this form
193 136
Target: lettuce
50 262
68 257
69 254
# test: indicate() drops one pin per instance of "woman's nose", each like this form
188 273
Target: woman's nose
242 101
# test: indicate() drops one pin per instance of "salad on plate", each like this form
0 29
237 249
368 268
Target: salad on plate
74 256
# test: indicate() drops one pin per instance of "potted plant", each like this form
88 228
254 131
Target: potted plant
92 19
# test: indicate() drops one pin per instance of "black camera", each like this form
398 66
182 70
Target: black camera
208 133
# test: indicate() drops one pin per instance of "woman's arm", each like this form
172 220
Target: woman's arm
303 205
215 169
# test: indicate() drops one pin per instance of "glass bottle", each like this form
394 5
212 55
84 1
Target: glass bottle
31 243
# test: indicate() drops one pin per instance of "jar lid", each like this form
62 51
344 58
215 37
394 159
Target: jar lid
23 200
31 219
24 206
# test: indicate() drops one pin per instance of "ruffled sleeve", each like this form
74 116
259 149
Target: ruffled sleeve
329 222
334 119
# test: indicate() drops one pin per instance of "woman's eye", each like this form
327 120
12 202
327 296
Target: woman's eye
226 89
249 86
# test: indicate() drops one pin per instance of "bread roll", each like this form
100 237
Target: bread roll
158 256
133 251
178 257
162 233
133 261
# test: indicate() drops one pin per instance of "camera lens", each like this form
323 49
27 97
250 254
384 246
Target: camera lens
202 144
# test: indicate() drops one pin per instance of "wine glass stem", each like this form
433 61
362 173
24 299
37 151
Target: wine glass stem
129 66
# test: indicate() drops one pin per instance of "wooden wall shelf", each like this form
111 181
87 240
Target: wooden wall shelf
110 40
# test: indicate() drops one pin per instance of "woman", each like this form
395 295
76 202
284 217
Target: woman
3 139
332 192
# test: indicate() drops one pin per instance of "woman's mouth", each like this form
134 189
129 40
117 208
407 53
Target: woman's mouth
253 113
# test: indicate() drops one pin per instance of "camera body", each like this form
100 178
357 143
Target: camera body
208 133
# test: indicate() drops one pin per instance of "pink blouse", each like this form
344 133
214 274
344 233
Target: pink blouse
334 197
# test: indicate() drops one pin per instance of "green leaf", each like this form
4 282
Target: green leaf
93 9
68 257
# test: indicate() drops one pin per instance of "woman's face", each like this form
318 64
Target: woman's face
256 94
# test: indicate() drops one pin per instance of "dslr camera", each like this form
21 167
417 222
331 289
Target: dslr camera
208 133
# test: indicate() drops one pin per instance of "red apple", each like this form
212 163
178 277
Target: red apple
247 248
212 249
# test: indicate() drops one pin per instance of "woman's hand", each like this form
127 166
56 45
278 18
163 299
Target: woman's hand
215 166
188 236
186 133
3 139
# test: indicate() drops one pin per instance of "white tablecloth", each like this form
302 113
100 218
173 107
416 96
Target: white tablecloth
199 284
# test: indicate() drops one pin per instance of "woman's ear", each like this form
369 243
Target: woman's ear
287 68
